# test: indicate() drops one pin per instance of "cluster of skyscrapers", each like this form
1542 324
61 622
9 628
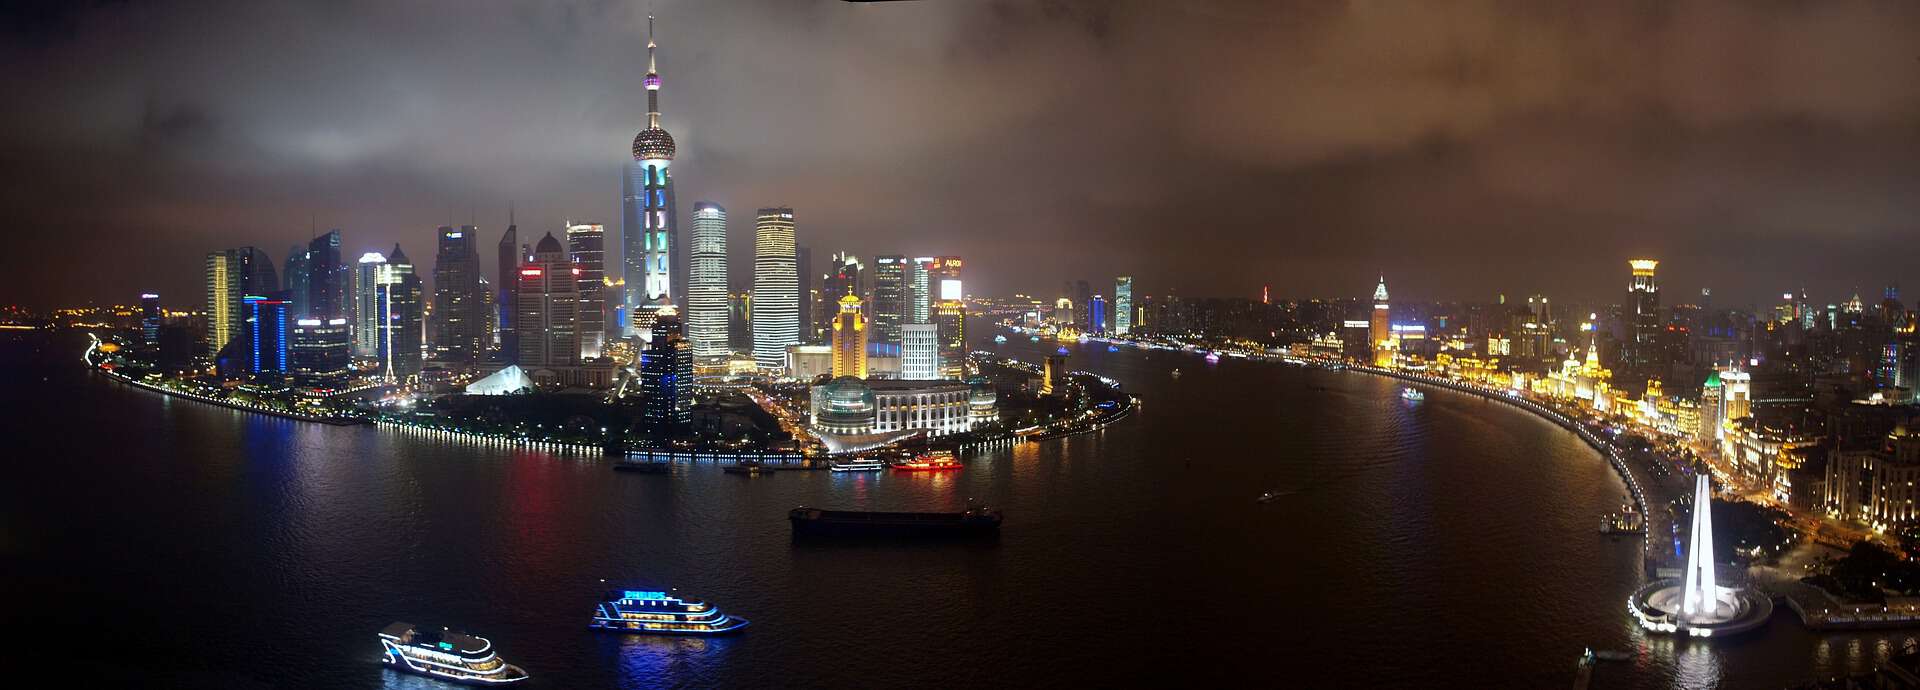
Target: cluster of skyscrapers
557 314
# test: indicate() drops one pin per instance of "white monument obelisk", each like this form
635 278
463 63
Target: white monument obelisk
1702 596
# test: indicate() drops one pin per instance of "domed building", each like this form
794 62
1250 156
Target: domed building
843 407
983 402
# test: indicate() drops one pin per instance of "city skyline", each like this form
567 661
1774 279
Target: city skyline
1528 161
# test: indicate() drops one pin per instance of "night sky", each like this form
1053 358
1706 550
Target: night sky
1462 148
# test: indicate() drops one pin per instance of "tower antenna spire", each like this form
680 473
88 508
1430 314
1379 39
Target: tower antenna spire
653 79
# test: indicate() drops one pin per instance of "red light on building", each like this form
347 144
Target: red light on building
576 271
529 271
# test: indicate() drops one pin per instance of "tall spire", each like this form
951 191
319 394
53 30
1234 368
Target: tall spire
653 80
1380 293
1702 594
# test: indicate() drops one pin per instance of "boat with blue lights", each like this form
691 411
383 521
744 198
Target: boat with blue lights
657 612
444 654
857 465
1412 394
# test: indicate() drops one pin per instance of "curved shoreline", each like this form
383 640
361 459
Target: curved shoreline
1605 450
334 421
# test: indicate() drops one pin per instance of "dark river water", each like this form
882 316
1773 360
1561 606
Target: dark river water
165 543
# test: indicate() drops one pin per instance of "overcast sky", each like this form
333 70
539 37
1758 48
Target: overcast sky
1462 148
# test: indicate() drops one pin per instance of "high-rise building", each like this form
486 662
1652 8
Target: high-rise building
267 330
776 289
231 275
1097 314
890 294
841 279
1643 301
1083 296
920 352
707 282
586 245
740 321
666 379
150 319
366 304
850 339
510 257
1123 305
943 280
1380 327
458 318
809 289
329 281
547 308
647 221
919 283
950 317
296 274
1739 395
321 353
400 304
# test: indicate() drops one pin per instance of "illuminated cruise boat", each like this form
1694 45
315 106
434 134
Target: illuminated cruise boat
857 465
455 657
929 462
1412 394
648 612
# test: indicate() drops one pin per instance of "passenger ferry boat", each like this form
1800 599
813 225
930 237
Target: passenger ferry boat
1412 394
857 465
649 612
447 655
929 462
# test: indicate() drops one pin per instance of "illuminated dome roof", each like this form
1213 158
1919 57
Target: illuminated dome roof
653 143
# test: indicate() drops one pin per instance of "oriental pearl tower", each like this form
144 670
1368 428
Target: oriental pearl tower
648 227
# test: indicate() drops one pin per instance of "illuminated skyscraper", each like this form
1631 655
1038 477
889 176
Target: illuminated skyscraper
666 379
1097 314
647 221
707 282
890 294
296 275
1643 298
1123 305
231 275
587 246
843 277
920 286
366 304
329 284
850 339
458 311
950 317
150 319
776 288
1380 327
1739 394
547 308
400 303
268 324
320 353
509 259
919 352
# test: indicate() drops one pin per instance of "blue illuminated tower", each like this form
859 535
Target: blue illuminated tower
647 224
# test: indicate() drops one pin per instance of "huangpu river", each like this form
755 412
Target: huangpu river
155 542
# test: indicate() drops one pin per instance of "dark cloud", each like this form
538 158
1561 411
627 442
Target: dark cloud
1463 148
